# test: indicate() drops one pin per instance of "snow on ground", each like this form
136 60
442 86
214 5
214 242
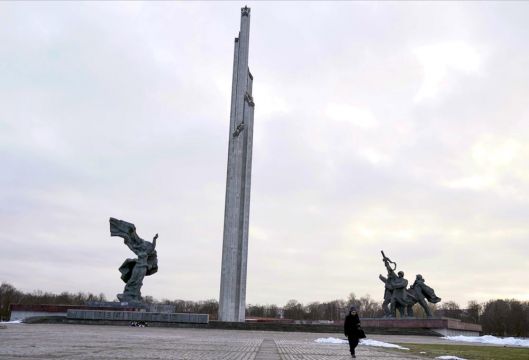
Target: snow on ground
488 339
366 342
449 357
331 340
370 342
11 322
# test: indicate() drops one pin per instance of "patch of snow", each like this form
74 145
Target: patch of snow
366 342
370 342
11 322
331 340
493 340
449 357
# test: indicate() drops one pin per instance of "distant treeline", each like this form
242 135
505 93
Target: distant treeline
498 317
10 295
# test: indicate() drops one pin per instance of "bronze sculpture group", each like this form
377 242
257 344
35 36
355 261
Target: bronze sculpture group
398 297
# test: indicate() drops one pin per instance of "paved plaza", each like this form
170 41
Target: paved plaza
23 341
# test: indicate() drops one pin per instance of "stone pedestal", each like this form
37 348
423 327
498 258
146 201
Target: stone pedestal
22 312
138 316
442 326
156 308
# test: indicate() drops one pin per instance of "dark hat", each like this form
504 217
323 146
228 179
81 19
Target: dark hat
352 308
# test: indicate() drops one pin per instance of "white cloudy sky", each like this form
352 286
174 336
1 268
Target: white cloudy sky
395 126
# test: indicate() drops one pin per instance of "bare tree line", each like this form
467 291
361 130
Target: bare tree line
10 295
507 317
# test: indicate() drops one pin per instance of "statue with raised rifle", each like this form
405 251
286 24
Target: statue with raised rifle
398 297
388 288
397 284
387 262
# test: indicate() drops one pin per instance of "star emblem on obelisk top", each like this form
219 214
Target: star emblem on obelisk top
245 11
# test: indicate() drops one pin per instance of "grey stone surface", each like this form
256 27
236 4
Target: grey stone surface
138 316
134 270
232 301
159 308
268 350
21 315
399 297
19 341
109 304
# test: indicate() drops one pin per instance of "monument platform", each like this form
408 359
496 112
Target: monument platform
381 326
104 313
435 327
442 326
21 312
116 315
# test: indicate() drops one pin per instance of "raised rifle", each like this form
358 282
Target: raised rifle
387 262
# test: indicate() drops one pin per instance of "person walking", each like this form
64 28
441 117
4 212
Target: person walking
352 330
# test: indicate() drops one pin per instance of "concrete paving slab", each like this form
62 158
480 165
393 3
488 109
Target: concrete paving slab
85 342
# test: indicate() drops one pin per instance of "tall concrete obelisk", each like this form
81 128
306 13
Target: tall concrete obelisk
232 302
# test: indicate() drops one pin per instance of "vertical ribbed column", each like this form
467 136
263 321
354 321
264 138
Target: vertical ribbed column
232 301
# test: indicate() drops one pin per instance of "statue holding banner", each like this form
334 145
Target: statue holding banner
134 270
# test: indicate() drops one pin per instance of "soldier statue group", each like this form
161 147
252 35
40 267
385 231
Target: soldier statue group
398 297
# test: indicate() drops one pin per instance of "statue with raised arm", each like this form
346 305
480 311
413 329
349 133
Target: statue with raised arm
395 293
134 270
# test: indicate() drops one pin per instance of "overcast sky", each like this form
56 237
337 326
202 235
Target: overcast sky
395 126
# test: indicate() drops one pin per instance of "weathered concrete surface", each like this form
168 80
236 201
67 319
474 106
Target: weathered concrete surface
442 326
167 320
219 325
232 301
22 341
21 311
137 316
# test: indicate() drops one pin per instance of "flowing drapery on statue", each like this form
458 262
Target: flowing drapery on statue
134 270
423 292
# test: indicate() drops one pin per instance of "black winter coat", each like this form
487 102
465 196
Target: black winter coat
351 325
